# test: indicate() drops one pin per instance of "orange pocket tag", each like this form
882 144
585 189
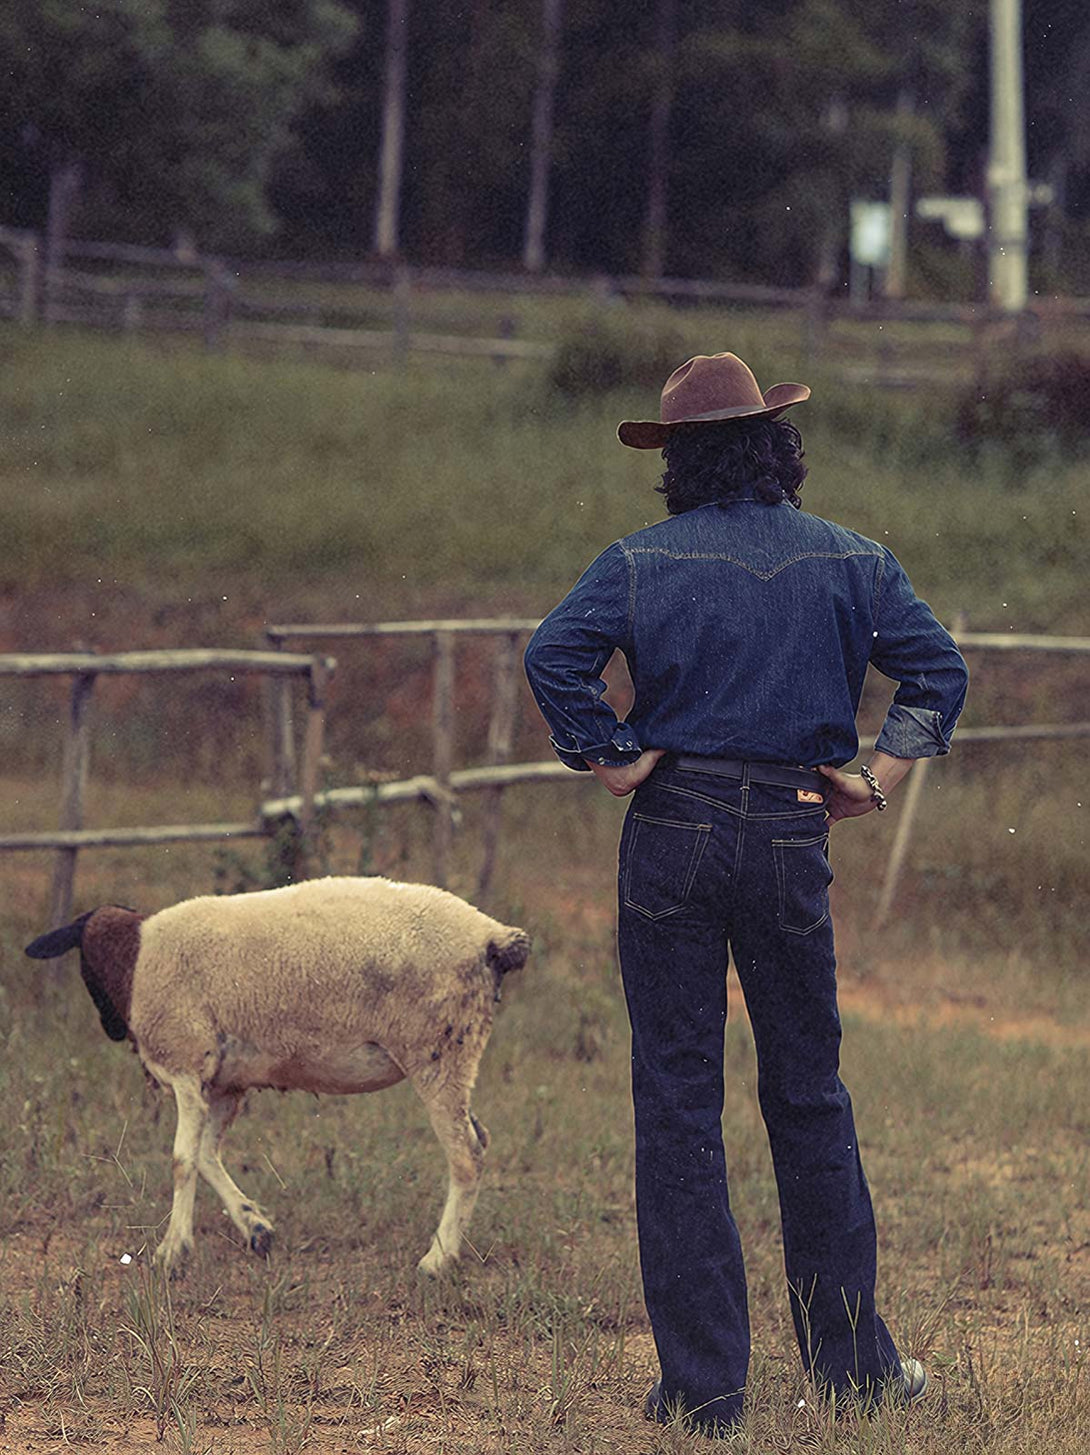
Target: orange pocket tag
807 795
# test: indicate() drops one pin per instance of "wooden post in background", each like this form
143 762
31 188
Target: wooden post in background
217 304
402 299
77 752
913 792
500 734
29 282
813 325
281 731
313 746
443 752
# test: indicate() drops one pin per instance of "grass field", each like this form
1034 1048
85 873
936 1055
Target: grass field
160 498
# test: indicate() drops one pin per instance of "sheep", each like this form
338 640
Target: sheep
331 985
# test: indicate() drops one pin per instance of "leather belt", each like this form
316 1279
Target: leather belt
753 772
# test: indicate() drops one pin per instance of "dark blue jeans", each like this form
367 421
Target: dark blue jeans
709 863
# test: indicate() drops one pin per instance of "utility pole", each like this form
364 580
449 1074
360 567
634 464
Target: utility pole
1007 193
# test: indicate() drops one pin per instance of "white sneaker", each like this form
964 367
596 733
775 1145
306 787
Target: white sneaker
915 1378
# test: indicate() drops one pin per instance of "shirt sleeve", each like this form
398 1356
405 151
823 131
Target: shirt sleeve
565 659
914 649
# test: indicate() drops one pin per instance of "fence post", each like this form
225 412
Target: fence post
913 793
281 730
402 296
217 304
814 315
500 732
443 752
77 745
313 745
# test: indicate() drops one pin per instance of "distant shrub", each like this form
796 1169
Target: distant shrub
601 353
1033 408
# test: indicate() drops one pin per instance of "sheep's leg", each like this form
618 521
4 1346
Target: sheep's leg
254 1225
192 1119
464 1140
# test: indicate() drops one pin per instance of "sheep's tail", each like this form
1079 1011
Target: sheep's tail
506 952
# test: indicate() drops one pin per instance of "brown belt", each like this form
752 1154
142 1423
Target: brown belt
751 772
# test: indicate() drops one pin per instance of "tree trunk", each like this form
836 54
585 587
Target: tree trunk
654 231
831 239
900 204
393 130
541 136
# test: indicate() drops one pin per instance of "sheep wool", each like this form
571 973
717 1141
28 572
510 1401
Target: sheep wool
334 985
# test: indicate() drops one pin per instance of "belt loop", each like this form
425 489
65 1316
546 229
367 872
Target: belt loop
745 774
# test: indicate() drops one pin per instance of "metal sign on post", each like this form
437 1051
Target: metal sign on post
869 244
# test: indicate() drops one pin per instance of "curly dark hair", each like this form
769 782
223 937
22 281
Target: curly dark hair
721 461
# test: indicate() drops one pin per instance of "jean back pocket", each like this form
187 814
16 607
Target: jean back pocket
803 876
661 860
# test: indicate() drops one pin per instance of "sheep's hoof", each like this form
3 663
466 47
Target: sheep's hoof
170 1259
435 1263
261 1240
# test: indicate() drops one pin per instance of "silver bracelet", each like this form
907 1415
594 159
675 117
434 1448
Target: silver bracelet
878 798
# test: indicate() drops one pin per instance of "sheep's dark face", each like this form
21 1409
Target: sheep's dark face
108 940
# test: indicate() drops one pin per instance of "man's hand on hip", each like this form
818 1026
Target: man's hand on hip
621 780
851 795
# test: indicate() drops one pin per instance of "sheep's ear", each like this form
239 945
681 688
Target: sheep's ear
59 942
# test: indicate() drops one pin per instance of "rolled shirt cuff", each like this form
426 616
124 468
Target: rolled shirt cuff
913 732
621 748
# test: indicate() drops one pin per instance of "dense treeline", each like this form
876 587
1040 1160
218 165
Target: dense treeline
693 137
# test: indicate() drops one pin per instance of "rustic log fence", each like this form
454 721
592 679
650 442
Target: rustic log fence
975 642
444 785
293 777
279 304
85 668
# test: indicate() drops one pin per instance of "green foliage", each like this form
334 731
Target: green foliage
238 121
175 114
1033 409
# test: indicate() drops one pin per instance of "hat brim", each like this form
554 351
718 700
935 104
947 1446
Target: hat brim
652 434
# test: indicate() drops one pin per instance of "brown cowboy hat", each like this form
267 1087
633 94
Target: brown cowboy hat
705 390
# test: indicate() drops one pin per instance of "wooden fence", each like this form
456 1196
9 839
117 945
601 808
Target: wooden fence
85 668
442 787
293 775
342 308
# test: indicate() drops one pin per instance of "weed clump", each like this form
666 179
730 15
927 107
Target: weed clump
614 351
1035 408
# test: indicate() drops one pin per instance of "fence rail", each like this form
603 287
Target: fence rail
295 794
85 668
442 787
267 302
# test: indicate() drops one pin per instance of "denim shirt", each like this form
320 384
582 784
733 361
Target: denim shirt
747 629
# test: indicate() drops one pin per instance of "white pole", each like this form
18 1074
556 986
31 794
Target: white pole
1007 161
